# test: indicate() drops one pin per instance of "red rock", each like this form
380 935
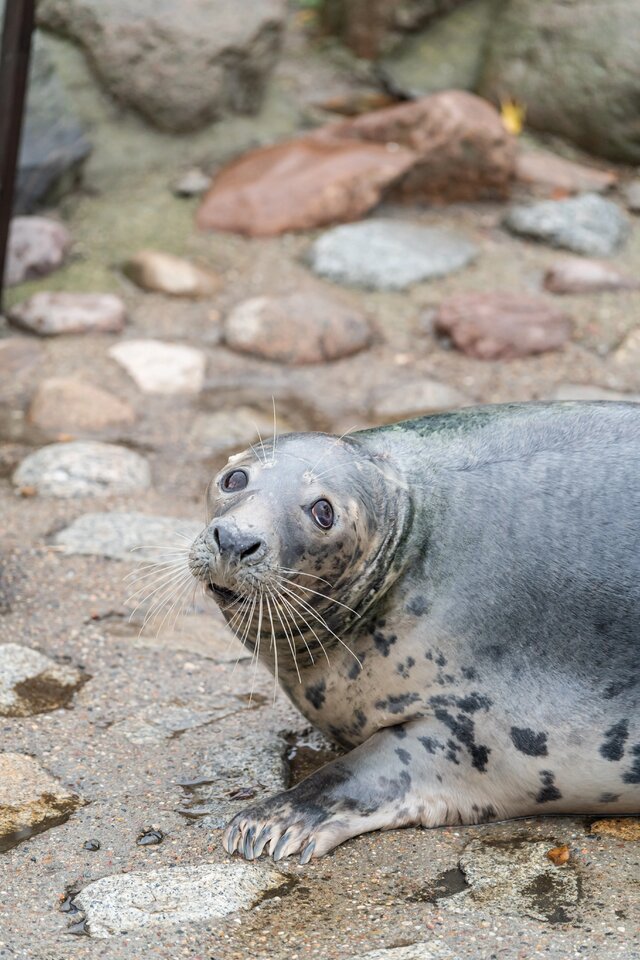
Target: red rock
577 275
493 326
299 185
66 404
550 175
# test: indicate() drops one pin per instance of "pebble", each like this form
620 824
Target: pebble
82 469
403 401
67 405
125 536
628 353
29 796
631 195
164 273
31 683
125 903
493 326
303 327
192 183
36 247
389 255
51 314
577 275
159 367
586 224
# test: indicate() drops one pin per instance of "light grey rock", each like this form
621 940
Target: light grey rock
628 353
159 367
206 636
160 721
228 431
181 65
126 536
82 469
36 247
52 314
583 391
579 275
123 903
432 950
389 255
586 224
632 196
402 401
32 683
30 798
192 183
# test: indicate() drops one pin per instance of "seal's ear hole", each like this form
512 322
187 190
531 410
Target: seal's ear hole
322 513
234 480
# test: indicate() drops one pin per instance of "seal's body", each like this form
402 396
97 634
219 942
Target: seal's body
461 597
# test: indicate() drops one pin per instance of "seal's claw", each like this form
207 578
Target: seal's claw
247 848
230 838
261 841
279 851
307 853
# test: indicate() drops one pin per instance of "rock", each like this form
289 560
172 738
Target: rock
493 326
576 275
628 353
627 828
30 798
551 175
224 432
582 391
181 65
388 254
204 636
126 536
67 405
178 895
448 55
163 721
403 401
632 196
159 367
32 683
192 183
36 247
586 224
51 314
82 469
574 67
413 951
53 145
18 355
164 273
301 184
303 327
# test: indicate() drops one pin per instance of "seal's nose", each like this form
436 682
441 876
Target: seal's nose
235 544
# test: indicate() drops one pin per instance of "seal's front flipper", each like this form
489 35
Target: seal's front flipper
388 781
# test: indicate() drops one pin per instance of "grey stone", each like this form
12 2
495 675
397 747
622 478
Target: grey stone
632 196
227 431
574 68
181 65
159 367
126 536
32 683
389 255
586 224
52 314
123 903
82 469
583 391
402 401
54 145
161 721
628 353
448 55
30 798
192 183
36 247
200 634
413 951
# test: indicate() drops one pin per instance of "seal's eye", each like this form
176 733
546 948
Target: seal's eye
234 481
322 513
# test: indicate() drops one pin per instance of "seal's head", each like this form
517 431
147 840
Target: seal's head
301 531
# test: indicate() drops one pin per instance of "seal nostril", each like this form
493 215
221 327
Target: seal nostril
251 550
216 537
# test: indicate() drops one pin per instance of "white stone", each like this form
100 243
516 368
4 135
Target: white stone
51 682
36 246
127 536
159 367
52 313
82 469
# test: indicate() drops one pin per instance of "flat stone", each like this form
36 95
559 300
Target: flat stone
159 367
631 194
123 903
303 327
491 326
30 798
403 401
32 683
227 431
82 469
586 224
623 828
192 183
582 391
577 275
413 951
205 635
389 255
126 536
548 174
67 405
163 273
37 246
163 721
51 314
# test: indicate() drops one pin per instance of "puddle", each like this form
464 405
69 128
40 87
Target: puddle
546 894
446 884
307 752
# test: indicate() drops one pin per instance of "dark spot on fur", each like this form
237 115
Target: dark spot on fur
428 655
431 744
528 742
399 703
360 720
488 813
469 673
384 643
470 704
453 749
404 667
398 731
614 690
404 755
549 791
356 668
633 775
417 605
463 730
315 694
441 660
615 737
608 797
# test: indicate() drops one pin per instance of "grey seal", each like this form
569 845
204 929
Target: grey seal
454 599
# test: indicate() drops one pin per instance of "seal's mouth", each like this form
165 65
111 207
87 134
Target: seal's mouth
222 593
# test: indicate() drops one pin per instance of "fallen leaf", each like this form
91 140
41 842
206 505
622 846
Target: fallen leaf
559 855
513 114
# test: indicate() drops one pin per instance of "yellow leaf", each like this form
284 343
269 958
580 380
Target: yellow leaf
513 114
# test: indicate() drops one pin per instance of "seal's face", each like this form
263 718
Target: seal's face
295 534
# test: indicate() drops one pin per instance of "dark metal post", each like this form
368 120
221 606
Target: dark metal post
14 72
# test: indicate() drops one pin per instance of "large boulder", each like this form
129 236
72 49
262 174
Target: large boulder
181 65
573 64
